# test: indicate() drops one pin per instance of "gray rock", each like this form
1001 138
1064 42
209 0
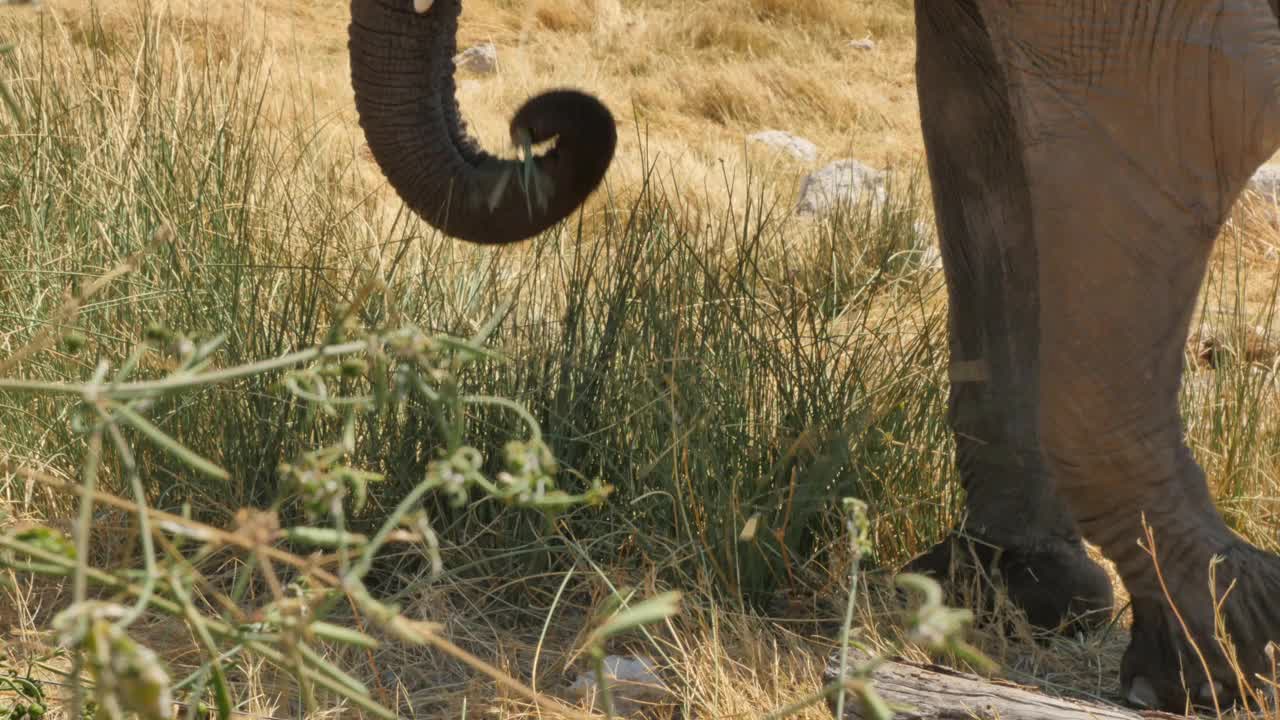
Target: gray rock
1266 181
931 258
927 244
784 142
841 183
863 44
633 682
479 59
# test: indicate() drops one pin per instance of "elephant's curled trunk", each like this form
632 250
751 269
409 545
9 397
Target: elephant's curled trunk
402 73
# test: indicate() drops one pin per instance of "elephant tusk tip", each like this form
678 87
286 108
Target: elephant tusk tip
422 6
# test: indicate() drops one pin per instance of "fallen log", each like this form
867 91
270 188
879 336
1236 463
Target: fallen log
934 692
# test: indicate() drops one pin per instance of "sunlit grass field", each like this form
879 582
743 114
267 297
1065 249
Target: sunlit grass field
190 172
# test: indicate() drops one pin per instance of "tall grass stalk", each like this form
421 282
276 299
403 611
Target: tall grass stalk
710 368
703 366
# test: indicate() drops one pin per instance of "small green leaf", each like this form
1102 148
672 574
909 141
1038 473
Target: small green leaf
926 586
659 607
345 635
221 692
323 537
73 341
173 447
49 540
873 706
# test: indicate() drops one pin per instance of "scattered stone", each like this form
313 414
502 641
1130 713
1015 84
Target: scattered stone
1265 186
1266 181
479 59
927 244
931 258
633 682
784 142
863 44
840 184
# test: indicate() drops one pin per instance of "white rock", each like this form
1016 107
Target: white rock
633 682
793 145
927 244
480 59
931 257
1266 181
843 182
863 44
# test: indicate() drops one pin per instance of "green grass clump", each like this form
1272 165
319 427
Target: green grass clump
712 370
208 322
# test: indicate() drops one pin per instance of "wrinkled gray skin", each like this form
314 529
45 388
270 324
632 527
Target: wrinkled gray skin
1083 156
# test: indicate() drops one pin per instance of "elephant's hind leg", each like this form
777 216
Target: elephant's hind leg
1140 123
1018 526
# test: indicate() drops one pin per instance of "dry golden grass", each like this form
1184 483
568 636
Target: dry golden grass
781 64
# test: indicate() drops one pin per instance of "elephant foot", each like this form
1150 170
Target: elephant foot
1054 582
1163 670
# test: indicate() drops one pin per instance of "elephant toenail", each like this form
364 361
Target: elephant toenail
1142 693
1209 692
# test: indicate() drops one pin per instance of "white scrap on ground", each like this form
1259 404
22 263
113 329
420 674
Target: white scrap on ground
633 682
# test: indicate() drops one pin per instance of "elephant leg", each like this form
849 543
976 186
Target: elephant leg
1017 524
1139 125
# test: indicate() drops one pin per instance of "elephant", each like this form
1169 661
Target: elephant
1082 156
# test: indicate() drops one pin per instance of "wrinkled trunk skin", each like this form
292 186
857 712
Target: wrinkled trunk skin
402 74
1020 527
1139 124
